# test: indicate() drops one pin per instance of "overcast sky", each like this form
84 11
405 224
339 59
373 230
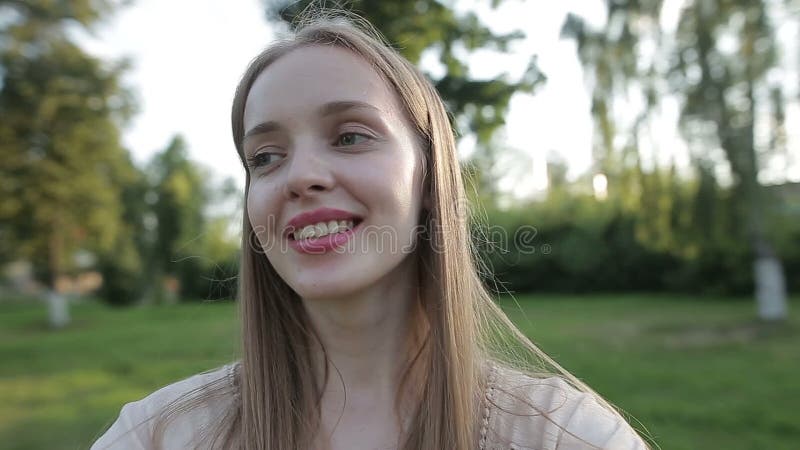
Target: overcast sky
189 54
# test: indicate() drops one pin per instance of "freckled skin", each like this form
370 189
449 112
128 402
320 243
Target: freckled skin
374 172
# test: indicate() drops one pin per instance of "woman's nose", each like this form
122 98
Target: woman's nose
308 173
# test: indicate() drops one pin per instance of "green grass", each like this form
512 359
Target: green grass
697 373
59 389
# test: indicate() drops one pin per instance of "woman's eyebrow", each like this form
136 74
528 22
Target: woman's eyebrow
327 109
262 128
342 106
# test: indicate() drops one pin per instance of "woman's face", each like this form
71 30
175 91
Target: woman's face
327 141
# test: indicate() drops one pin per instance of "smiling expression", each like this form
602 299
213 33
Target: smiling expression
327 141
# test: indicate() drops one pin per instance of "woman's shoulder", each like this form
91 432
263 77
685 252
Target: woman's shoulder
209 393
191 387
547 413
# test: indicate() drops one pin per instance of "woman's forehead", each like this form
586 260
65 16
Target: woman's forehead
308 78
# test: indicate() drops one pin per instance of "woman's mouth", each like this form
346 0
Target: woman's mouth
322 229
318 239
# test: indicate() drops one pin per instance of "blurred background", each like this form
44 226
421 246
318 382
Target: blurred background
635 166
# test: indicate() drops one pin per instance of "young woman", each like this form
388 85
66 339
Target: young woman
364 321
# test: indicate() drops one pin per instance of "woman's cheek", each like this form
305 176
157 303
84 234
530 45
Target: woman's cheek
262 214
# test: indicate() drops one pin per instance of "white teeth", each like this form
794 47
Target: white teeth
333 226
323 228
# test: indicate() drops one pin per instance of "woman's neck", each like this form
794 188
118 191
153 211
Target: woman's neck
369 339
367 335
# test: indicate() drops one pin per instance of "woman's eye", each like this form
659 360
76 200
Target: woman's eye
263 159
347 139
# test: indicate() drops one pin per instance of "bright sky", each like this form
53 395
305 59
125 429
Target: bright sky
189 54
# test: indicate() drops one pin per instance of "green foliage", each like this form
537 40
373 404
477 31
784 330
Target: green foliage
631 241
579 245
720 91
181 195
67 183
611 59
716 64
64 166
124 269
186 242
123 277
47 13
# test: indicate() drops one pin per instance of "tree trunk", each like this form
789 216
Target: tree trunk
739 146
57 304
58 309
770 289
770 285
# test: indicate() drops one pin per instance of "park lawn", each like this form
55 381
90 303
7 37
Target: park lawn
697 373
60 389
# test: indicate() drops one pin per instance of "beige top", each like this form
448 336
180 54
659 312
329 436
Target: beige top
515 416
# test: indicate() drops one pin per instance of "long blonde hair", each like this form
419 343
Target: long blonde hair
276 403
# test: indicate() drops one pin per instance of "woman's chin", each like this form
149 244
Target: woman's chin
322 290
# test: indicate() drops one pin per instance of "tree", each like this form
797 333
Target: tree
124 269
478 106
59 138
615 69
180 195
719 86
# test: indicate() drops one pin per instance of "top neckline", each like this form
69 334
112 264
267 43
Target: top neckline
487 398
